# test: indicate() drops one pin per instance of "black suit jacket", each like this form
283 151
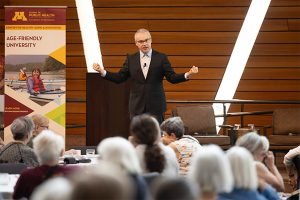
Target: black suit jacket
146 95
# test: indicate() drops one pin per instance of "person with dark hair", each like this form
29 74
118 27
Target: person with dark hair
17 151
183 145
153 155
35 83
146 70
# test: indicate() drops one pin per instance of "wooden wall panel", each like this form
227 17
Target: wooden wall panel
159 13
188 37
122 25
256 95
183 25
193 49
245 85
209 61
190 32
180 3
294 24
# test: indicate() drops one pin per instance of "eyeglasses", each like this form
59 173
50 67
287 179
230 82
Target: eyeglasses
142 41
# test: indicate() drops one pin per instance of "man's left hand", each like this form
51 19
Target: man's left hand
193 70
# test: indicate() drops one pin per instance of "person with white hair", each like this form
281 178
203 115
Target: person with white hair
210 169
121 153
17 151
244 176
48 147
58 188
264 159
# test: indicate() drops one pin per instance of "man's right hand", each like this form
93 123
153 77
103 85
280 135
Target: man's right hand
98 68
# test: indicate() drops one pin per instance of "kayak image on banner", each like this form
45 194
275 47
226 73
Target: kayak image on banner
40 78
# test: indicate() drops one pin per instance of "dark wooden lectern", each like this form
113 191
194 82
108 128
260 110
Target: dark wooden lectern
107 109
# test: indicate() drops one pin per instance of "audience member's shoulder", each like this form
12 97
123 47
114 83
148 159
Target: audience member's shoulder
29 171
26 148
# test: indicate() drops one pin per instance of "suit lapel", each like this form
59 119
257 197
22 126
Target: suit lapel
152 63
137 65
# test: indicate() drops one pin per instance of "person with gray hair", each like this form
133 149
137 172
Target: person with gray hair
103 181
146 70
244 175
48 147
17 151
264 159
184 146
175 188
121 153
210 169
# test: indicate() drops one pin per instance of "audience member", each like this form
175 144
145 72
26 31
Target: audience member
40 123
177 188
1 143
210 169
153 155
48 147
264 159
57 188
121 153
103 181
244 176
17 151
290 167
183 145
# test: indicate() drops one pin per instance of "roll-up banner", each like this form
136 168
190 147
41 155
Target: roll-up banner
35 65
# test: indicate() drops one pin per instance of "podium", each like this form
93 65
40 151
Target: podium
107 113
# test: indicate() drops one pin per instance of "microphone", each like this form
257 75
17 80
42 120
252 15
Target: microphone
144 65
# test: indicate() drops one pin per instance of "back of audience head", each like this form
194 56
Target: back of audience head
145 130
256 144
104 181
120 152
57 188
211 170
48 147
22 128
174 189
41 123
243 168
173 125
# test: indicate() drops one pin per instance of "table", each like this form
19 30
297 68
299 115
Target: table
7 187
